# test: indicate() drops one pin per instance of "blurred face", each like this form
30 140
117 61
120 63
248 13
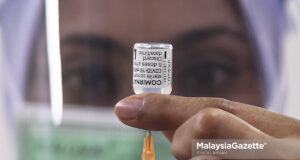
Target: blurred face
212 53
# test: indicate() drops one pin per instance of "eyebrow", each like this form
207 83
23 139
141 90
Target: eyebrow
98 42
93 41
198 35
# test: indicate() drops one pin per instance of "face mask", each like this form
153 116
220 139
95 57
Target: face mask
84 134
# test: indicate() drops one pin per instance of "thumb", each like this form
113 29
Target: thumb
157 111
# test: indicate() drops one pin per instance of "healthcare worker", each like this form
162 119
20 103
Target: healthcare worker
183 119
227 50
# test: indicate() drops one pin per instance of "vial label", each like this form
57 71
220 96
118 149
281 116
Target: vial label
152 68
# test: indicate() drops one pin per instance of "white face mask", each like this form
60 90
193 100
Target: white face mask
85 133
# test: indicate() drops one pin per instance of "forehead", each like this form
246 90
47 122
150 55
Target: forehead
144 20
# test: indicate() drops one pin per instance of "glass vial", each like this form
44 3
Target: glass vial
152 68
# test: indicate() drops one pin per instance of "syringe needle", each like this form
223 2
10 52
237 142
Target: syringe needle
148 150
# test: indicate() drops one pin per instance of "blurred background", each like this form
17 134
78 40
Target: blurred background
77 54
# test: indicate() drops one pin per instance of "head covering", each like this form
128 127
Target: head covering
19 20
265 20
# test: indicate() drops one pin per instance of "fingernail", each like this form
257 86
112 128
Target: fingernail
128 108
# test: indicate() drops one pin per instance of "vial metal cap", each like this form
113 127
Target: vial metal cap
153 45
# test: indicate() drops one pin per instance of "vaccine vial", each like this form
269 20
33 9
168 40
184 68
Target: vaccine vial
152 68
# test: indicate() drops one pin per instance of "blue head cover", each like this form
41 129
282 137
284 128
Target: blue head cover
265 19
267 23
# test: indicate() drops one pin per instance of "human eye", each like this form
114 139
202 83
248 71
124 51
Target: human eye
89 84
206 77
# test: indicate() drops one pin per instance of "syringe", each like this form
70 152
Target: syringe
148 150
